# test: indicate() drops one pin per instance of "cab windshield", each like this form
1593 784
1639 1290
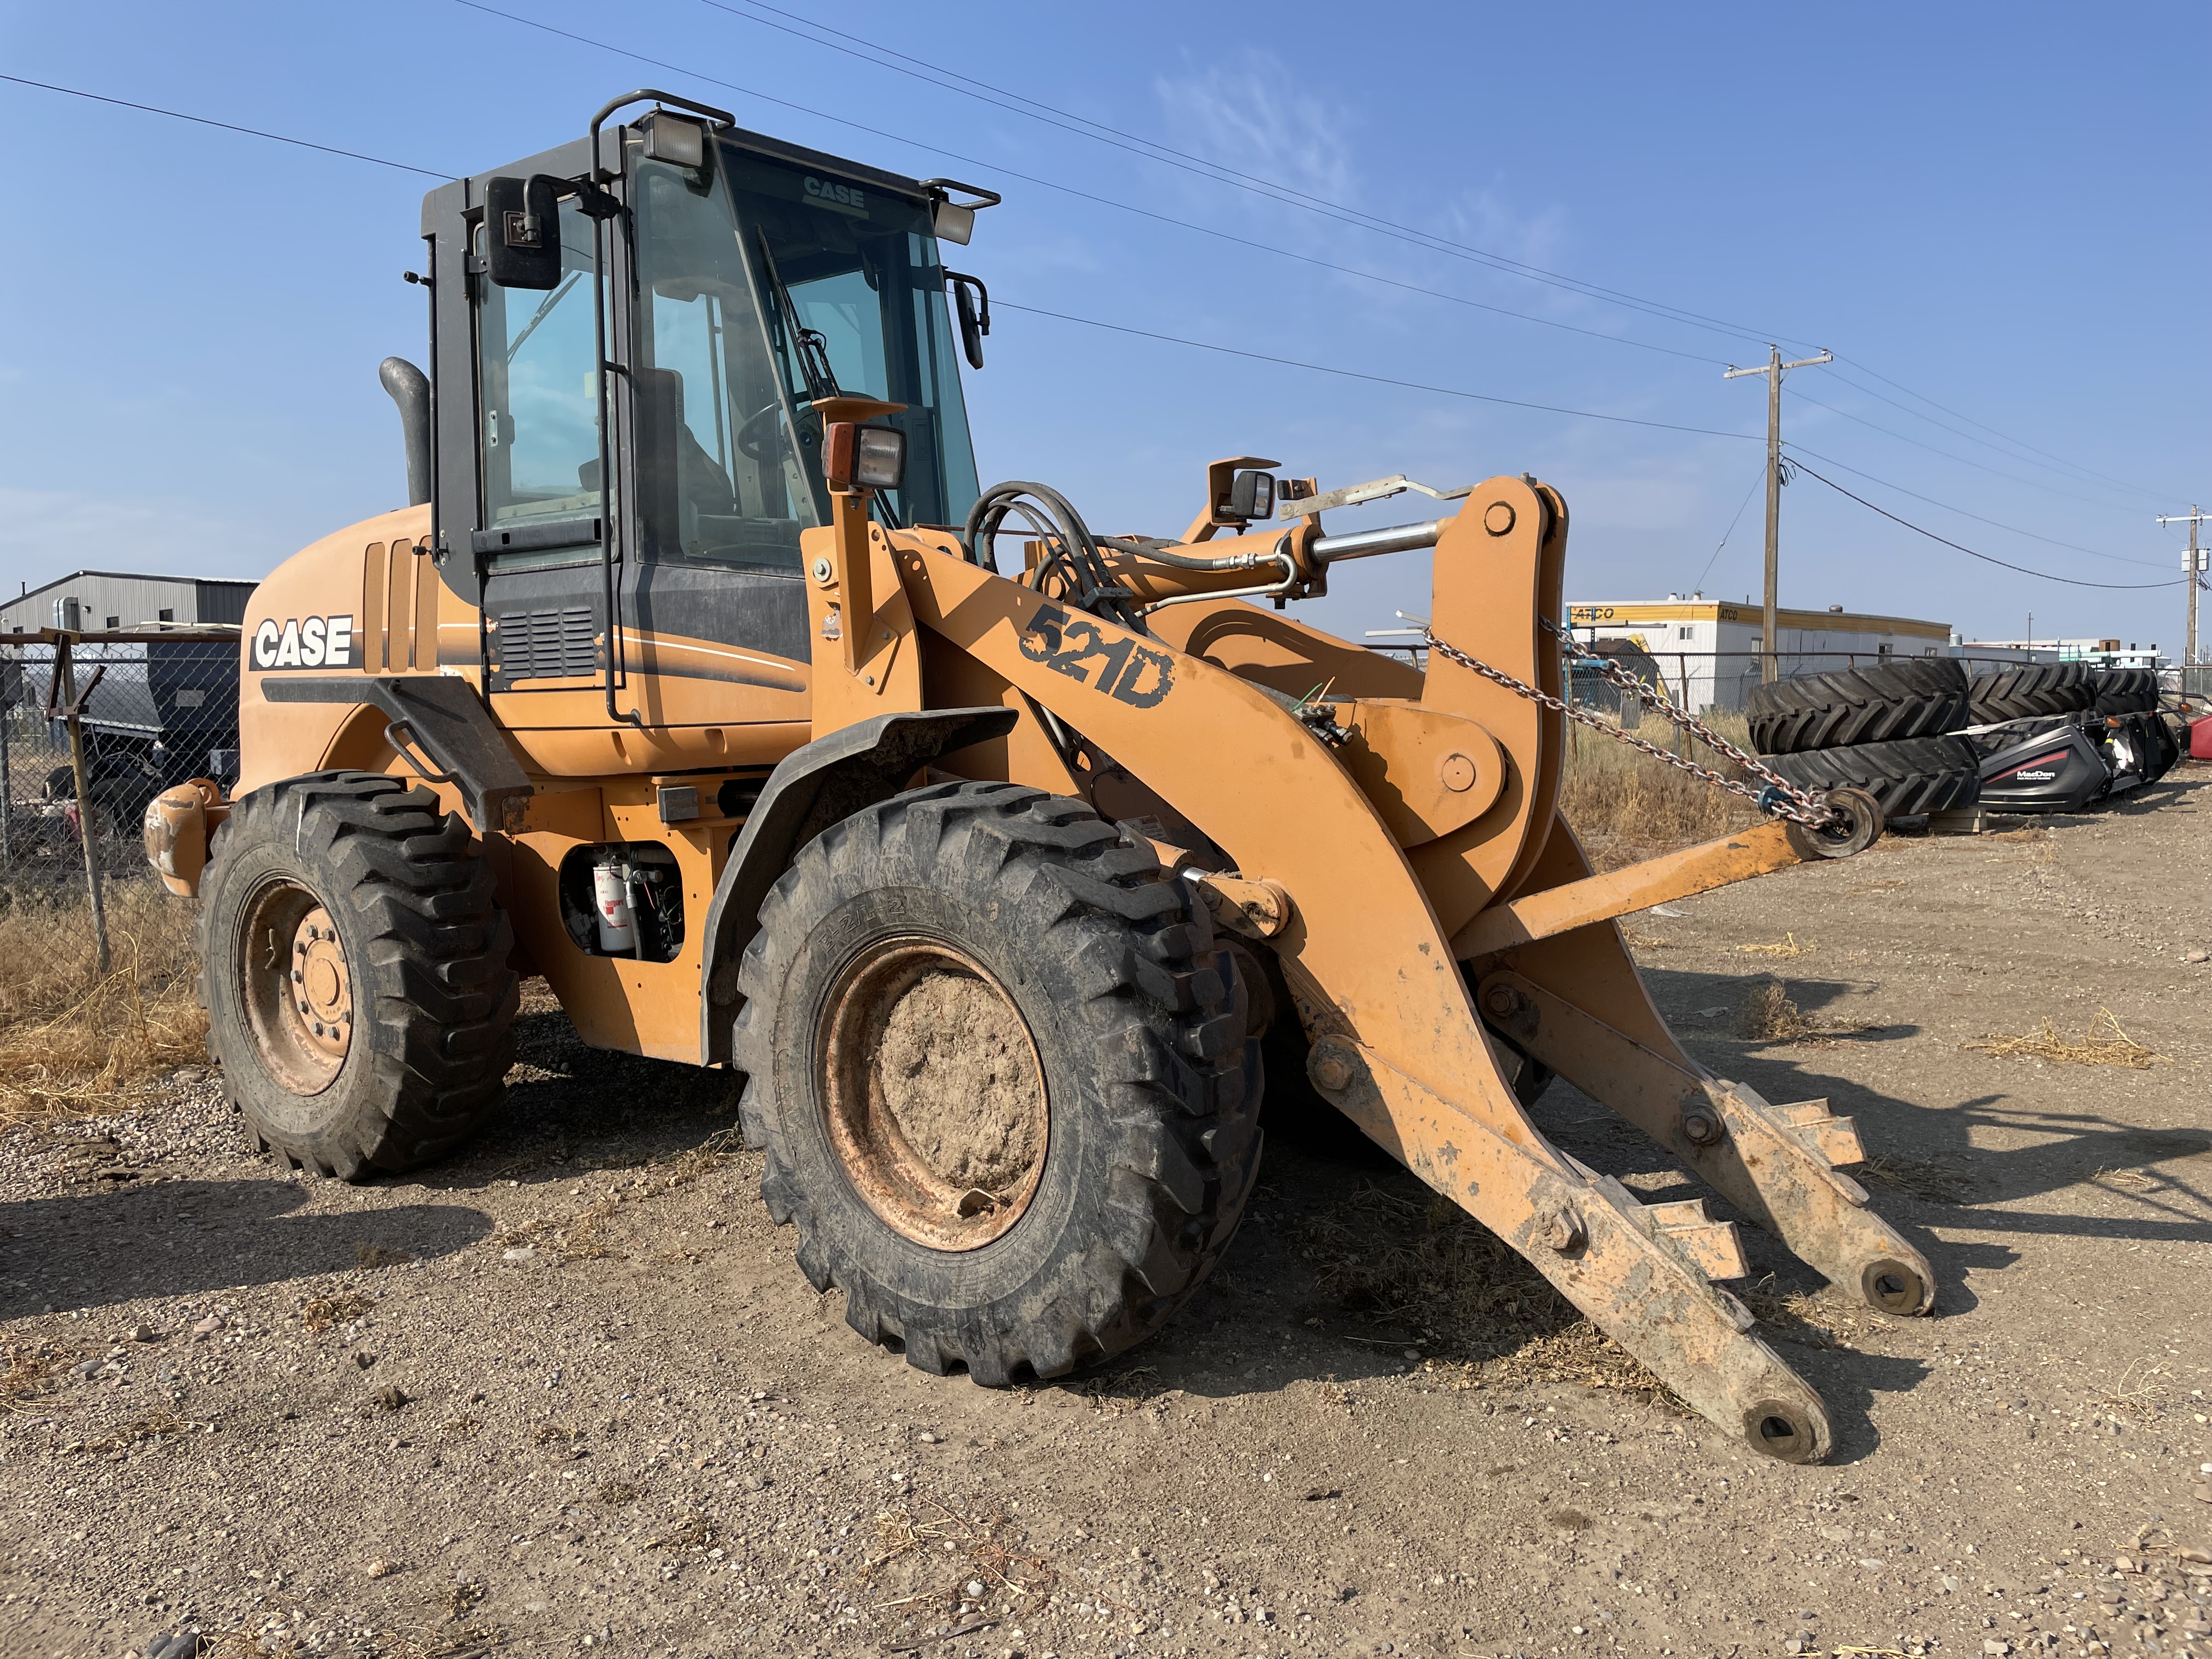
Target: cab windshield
762 287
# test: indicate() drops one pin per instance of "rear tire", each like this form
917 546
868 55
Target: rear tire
1883 702
1920 775
354 968
1003 1078
2028 690
2125 691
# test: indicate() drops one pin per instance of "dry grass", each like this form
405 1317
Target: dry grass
968 1544
693 1532
1626 806
1430 1266
2103 1044
160 1425
320 1313
1812 1321
71 1039
25 1375
1787 945
2127 1181
2141 1389
1937 1182
1768 1015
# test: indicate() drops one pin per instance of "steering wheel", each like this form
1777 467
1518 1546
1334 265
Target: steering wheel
758 430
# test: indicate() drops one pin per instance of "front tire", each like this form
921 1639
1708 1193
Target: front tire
354 968
1002 1077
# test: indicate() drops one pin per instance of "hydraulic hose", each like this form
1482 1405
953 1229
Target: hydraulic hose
1072 551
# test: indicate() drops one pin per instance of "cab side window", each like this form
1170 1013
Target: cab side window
539 427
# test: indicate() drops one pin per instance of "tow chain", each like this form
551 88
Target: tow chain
1780 797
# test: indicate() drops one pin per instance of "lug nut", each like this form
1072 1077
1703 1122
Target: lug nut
303 1008
1563 1231
1701 1128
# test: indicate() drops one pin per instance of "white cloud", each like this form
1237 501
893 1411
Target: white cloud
1246 121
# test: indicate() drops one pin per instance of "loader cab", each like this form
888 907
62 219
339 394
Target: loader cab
743 281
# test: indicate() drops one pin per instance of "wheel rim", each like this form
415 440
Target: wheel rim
295 985
934 1094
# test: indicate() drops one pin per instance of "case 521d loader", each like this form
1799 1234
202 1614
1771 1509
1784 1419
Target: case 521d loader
987 851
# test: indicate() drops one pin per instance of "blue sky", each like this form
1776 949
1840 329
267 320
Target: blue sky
1999 209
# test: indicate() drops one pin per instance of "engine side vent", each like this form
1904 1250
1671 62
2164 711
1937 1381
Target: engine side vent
542 645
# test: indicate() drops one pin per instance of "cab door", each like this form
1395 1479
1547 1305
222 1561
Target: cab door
710 662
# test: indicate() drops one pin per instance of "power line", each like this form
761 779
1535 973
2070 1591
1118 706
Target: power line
1218 233
2070 581
1760 478
1219 173
2020 442
1994 524
1962 461
1361 374
1090 322
201 120
1204 345
1120 138
1189 162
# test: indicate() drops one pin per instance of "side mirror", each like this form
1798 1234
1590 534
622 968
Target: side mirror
973 301
522 231
1251 495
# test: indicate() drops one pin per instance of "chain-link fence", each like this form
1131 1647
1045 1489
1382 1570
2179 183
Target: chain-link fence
153 711
1713 682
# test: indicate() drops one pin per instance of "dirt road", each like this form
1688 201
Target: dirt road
571 1394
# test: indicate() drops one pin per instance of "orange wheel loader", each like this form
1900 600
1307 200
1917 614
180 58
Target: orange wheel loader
702 679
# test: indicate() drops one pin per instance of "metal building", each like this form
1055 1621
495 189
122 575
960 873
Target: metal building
1709 650
106 600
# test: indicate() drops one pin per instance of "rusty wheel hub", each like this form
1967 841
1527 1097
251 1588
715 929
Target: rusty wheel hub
934 1094
298 989
324 1001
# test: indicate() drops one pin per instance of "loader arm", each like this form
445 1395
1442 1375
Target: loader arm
1399 1048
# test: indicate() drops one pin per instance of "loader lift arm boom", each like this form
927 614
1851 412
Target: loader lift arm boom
1378 930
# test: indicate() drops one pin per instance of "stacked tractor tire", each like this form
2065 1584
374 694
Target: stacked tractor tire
1885 729
1920 736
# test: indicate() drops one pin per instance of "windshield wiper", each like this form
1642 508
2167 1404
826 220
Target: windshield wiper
804 346
544 310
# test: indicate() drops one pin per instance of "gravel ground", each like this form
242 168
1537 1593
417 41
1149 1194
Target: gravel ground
569 1393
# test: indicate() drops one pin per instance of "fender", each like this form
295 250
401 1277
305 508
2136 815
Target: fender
812 788
449 724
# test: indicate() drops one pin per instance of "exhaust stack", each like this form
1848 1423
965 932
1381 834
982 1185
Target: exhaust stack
410 389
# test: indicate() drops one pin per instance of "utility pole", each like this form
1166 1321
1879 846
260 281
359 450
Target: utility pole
1775 369
2193 561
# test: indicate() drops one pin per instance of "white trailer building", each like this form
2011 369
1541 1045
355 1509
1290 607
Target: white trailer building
1709 650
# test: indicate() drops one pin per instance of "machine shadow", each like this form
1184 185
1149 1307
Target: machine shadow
179 1237
570 1106
1312 1289
1923 1156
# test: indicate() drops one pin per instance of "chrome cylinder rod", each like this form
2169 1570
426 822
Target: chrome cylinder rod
1365 544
